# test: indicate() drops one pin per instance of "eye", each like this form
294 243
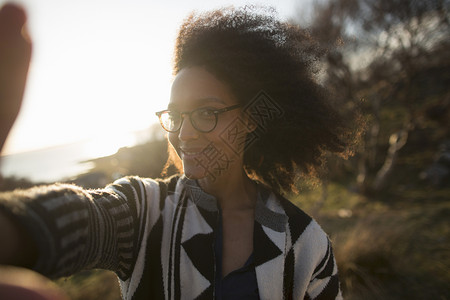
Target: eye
205 113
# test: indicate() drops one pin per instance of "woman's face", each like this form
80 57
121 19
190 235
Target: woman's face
214 153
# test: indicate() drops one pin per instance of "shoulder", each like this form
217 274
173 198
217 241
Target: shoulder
147 183
303 229
144 189
168 184
294 213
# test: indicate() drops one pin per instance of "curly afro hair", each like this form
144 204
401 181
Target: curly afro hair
252 51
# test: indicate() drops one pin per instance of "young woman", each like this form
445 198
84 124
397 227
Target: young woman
245 117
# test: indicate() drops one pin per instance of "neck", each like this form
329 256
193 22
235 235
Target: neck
233 190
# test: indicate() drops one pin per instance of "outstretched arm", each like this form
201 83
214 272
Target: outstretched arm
75 229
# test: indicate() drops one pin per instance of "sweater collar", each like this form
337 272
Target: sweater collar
264 215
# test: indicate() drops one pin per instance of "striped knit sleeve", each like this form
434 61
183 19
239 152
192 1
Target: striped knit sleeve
324 284
77 229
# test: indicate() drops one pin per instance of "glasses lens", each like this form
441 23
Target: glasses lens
170 120
204 119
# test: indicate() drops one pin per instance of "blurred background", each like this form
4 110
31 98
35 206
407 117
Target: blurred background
100 69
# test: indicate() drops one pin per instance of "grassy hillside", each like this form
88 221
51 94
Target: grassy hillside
391 249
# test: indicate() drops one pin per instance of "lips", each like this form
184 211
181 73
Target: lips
191 152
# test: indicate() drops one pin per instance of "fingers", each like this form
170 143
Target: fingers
12 18
15 54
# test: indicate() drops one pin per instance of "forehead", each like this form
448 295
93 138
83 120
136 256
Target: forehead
195 87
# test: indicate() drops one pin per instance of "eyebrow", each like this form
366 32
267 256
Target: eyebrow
199 102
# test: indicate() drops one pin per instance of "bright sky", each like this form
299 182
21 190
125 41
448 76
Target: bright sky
101 66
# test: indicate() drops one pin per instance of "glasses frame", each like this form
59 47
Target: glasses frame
216 113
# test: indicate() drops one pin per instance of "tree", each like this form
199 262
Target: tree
388 58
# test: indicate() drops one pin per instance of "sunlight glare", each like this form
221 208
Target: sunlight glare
106 145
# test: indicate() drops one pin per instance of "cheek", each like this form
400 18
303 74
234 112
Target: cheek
231 137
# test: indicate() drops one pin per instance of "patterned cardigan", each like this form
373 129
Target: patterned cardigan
158 237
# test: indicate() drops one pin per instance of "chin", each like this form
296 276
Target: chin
193 172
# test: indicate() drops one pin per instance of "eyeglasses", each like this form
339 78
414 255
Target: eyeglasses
202 119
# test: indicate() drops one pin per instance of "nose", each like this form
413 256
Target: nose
187 131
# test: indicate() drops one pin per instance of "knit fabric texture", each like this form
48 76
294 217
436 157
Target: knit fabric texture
158 237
